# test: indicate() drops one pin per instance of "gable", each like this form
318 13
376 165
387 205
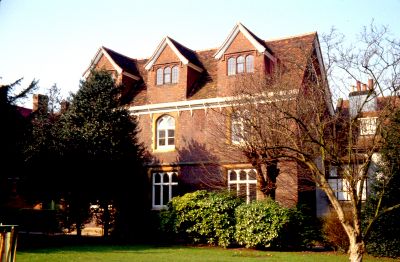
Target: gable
167 56
256 42
239 44
105 64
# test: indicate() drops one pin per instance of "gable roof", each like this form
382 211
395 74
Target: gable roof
260 45
122 64
186 56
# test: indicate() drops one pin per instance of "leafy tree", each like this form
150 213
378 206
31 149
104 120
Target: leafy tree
101 155
383 237
12 132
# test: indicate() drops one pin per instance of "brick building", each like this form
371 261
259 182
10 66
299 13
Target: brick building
178 95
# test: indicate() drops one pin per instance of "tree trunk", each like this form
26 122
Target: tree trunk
356 251
106 220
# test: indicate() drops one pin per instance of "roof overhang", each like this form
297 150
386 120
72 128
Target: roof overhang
100 53
164 43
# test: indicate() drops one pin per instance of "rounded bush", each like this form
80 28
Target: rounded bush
202 217
259 223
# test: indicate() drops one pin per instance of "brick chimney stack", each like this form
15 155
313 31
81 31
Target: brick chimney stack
364 87
40 103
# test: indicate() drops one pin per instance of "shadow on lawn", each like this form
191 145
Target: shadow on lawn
49 244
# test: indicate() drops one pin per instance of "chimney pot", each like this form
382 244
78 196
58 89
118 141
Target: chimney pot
358 86
371 84
364 87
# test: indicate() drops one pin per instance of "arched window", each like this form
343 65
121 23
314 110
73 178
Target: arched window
159 77
240 64
167 75
175 75
249 64
166 132
244 183
231 66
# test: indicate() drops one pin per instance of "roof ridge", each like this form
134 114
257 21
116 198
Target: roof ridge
289 37
112 50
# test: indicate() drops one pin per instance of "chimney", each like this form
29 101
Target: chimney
40 103
358 85
64 106
371 84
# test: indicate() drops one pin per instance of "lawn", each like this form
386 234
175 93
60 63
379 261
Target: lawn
142 253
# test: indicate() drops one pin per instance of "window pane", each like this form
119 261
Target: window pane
232 176
253 192
242 175
242 190
175 75
249 64
166 178
165 195
159 76
171 141
161 141
252 175
171 133
157 194
231 66
174 177
157 178
240 64
167 75
161 133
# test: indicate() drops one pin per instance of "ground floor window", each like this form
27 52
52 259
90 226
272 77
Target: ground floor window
243 182
164 188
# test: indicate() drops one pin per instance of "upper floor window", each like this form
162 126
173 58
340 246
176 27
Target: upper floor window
159 76
249 64
231 66
175 74
165 132
167 75
244 183
368 126
239 122
240 65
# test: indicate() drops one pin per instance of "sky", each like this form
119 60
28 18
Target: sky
54 41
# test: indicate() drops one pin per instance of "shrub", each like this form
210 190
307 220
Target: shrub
334 233
303 230
384 237
202 217
259 223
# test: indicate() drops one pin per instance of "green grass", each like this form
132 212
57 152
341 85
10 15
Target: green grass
142 253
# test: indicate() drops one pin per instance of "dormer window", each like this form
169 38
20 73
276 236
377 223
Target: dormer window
167 75
240 65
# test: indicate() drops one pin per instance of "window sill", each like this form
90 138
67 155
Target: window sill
164 149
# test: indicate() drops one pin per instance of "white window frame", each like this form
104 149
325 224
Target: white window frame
160 76
235 184
249 65
231 66
340 186
368 125
240 64
161 127
167 75
161 185
174 75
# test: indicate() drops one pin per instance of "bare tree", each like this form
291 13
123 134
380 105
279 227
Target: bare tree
284 120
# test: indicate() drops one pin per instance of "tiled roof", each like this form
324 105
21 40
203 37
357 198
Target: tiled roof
127 64
292 52
188 53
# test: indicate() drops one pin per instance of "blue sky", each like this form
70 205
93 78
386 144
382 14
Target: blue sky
54 41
